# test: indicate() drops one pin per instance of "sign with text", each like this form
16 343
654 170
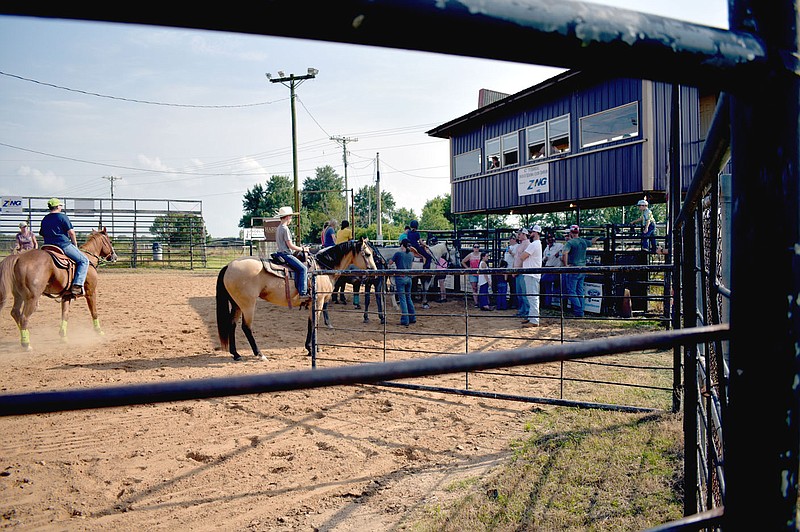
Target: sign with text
593 292
11 204
533 180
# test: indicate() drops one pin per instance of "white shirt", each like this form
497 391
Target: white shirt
508 256
534 260
552 255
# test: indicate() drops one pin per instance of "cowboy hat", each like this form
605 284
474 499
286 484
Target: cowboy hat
285 211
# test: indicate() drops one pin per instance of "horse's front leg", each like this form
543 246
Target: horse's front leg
91 302
21 312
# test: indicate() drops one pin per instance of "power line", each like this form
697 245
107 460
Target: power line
132 100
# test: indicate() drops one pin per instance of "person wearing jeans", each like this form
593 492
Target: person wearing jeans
403 260
57 230
574 254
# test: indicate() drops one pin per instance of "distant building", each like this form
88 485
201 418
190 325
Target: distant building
577 140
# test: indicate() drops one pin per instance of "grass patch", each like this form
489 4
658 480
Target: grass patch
578 470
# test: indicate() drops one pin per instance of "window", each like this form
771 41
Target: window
502 151
608 126
492 154
548 138
558 135
468 163
510 149
535 136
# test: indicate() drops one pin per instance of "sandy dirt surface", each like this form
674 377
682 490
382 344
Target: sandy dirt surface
343 458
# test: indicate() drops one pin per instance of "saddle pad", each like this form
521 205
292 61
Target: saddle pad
59 258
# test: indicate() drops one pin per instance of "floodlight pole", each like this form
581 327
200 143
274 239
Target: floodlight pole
292 82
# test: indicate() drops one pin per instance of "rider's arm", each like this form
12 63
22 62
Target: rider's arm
72 237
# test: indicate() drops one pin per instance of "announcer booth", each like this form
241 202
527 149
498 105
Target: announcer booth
575 141
263 231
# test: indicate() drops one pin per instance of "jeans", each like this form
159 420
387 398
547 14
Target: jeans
649 238
403 286
532 287
550 287
573 284
300 270
522 299
483 295
81 263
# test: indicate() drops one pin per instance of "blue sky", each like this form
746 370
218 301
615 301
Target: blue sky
222 127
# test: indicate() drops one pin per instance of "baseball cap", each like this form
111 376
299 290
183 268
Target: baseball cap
23 224
53 202
642 203
574 229
522 230
537 229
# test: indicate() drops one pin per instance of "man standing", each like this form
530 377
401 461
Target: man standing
57 230
532 258
551 258
519 279
574 254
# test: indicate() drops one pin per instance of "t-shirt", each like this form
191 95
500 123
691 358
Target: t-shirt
552 255
55 227
283 235
576 247
343 235
330 237
25 239
403 260
534 260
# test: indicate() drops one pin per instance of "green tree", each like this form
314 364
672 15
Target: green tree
323 198
180 229
265 200
366 206
433 215
401 216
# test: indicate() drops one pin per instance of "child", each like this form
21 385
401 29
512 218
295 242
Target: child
500 288
483 284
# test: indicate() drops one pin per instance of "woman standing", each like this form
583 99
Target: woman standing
473 261
26 240
483 284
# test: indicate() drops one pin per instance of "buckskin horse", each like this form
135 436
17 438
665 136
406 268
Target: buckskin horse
243 281
39 272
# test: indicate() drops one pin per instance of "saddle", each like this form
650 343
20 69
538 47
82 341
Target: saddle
61 261
277 265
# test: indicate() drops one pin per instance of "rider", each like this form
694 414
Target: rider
420 246
57 231
283 238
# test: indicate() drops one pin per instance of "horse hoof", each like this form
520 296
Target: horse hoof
366 320
237 356
263 357
26 347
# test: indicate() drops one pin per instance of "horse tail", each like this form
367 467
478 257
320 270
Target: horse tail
6 277
223 310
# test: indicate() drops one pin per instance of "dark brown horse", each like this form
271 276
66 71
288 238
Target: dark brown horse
34 273
242 282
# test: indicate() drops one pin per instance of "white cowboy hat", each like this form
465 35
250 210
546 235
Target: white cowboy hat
285 211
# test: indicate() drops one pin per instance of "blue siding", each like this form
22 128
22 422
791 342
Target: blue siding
597 172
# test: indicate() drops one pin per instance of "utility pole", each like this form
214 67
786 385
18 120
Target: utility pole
379 226
343 141
293 82
112 178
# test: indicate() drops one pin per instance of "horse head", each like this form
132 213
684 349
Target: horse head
365 255
102 245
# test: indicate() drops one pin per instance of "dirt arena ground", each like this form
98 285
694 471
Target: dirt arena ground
339 459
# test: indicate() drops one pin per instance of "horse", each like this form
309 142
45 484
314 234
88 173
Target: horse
243 281
378 283
437 250
35 273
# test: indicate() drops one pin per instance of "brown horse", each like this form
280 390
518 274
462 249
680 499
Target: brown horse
242 282
34 273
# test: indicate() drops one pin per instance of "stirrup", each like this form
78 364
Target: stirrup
76 290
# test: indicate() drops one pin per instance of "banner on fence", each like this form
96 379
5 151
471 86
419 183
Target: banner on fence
593 293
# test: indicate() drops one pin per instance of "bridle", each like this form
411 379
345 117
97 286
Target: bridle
100 259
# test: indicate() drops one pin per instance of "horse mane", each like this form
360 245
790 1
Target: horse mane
330 257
